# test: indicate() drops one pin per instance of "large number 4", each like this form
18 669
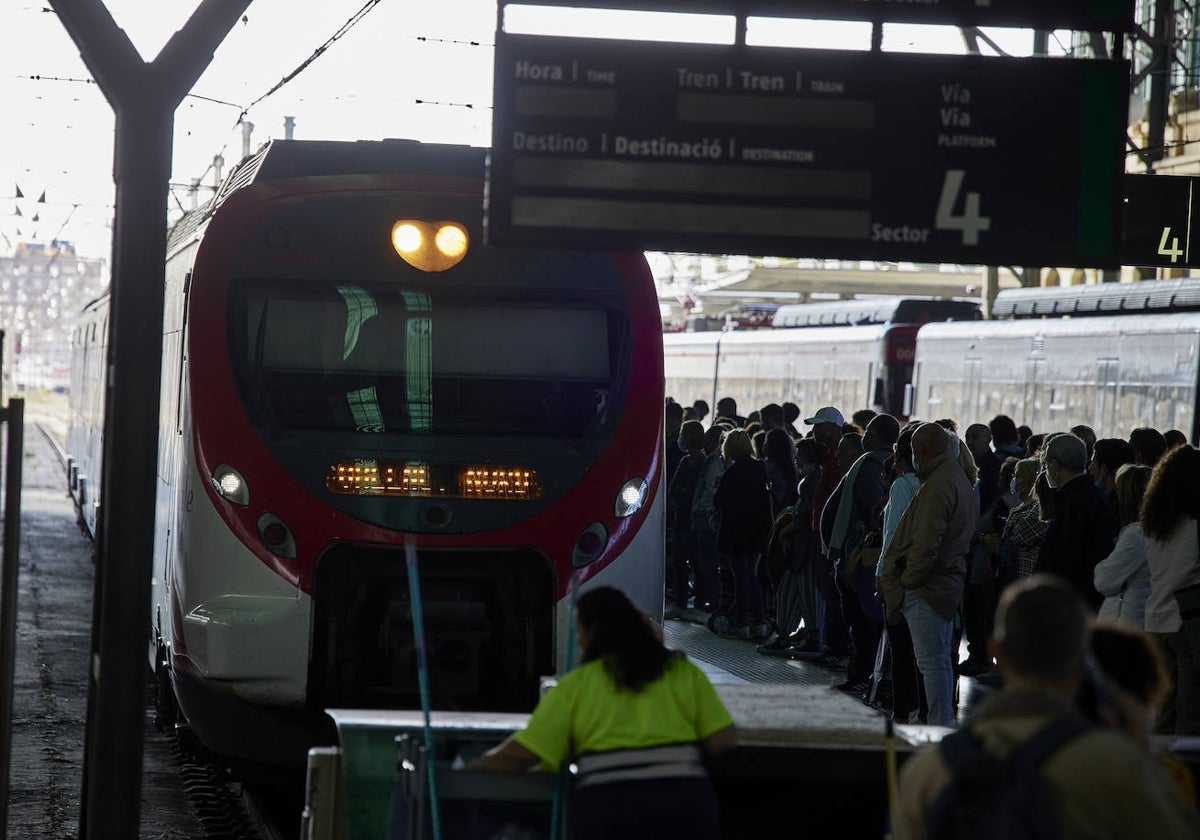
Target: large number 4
1174 251
970 221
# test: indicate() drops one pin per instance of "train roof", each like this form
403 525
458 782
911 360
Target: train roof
282 159
1114 324
1180 295
905 310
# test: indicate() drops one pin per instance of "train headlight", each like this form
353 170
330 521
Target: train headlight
430 246
631 497
231 485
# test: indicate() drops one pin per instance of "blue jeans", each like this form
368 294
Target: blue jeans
931 638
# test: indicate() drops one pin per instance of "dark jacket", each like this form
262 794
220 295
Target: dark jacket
1081 534
743 503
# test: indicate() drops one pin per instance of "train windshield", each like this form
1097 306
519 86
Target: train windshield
378 360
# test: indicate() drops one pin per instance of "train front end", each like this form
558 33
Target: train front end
365 371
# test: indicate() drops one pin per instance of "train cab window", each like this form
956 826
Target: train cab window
383 359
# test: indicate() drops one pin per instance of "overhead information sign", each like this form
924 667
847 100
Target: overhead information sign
1105 15
854 155
1161 226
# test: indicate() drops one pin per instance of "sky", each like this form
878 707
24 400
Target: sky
404 69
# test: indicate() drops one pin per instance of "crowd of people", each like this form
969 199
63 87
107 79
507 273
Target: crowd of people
1070 566
817 537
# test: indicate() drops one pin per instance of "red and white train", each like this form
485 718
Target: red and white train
346 364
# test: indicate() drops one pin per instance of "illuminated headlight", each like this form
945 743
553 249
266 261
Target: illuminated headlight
430 246
231 485
631 498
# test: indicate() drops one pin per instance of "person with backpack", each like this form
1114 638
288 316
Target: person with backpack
1030 765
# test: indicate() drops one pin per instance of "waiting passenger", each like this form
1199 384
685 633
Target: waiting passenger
1169 520
827 430
1086 434
743 505
779 457
1135 672
1123 577
1148 445
906 679
704 529
797 600
680 493
1101 783
1174 438
1021 540
861 418
727 409
1024 433
1083 528
701 407
924 566
1108 456
860 498
1005 436
771 416
638 719
791 413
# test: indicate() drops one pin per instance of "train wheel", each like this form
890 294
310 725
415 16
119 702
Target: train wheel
166 707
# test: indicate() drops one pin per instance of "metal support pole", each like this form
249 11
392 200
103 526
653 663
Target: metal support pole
144 97
9 562
1157 110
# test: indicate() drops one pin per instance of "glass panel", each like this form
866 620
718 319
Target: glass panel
381 360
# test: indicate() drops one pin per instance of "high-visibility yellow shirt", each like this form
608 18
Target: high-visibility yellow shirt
586 712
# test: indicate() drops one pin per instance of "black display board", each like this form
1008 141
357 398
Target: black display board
1161 222
853 155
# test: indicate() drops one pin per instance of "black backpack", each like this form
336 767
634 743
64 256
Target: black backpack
990 798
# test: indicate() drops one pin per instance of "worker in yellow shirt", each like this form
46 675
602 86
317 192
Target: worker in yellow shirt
637 719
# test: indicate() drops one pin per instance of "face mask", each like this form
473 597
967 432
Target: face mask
916 466
1099 484
1050 481
682 446
1012 487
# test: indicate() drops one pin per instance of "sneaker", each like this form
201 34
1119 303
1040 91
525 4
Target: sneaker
974 667
760 630
778 647
833 661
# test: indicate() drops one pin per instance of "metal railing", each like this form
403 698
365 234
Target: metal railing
14 417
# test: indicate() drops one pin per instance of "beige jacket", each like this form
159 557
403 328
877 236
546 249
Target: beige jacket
928 552
1105 784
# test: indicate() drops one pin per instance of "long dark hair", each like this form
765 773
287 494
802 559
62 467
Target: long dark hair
623 637
1174 491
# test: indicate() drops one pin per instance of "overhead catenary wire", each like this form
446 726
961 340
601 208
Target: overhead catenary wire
350 23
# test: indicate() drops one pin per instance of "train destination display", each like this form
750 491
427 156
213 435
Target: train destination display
1107 15
1160 227
854 155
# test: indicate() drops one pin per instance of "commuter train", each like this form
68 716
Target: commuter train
346 365
852 354
1112 356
